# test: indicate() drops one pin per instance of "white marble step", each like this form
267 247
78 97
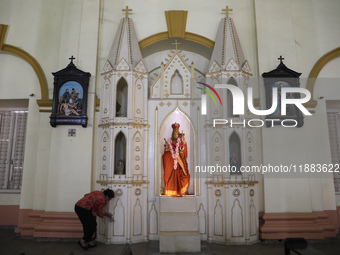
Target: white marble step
179 222
177 204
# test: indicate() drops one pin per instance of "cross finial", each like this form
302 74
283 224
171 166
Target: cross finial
280 58
127 10
227 10
72 58
176 43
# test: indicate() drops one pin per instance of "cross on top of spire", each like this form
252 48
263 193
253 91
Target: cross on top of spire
176 43
280 58
227 10
126 10
72 58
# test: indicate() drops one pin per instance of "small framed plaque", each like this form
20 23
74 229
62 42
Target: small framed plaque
279 78
70 96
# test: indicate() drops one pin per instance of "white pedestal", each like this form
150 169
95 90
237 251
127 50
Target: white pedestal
179 225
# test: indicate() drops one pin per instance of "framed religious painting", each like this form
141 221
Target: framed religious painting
69 105
277 86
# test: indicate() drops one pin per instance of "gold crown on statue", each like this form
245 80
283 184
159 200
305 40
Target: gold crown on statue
175 126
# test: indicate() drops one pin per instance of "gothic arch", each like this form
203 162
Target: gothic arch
183 113
120 145
121 97
324 60
165 131
235 146
232 81
10 49
119 226
176 84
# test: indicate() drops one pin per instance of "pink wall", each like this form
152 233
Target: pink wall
9 215
313 225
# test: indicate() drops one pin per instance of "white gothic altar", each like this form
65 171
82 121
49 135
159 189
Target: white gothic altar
142 93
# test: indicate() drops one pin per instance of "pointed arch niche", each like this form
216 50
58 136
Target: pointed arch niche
230 100
176 86
120 151
235 152
121 98
165 133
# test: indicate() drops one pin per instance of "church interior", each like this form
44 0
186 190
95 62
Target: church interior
212 121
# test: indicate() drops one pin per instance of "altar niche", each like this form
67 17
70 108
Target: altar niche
121 98
120 154
235 153
177 84
165 133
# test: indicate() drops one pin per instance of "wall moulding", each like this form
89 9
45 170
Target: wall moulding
13 50
324 60
188 36
176 25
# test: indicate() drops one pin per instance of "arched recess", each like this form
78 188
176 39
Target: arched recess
121 98
176 84
10 49
120 151
165 132
315 73
235 152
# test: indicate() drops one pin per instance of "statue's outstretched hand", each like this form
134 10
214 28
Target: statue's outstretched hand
166 145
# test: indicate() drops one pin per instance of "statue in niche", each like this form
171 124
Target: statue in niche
120 167
234 164
176 174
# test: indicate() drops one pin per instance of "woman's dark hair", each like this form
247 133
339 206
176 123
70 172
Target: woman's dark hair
109 193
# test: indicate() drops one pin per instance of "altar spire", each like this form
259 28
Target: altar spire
125 45
227 44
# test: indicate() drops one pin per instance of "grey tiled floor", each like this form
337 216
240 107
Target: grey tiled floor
11 244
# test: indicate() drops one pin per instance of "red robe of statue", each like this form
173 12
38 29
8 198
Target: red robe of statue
176 180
